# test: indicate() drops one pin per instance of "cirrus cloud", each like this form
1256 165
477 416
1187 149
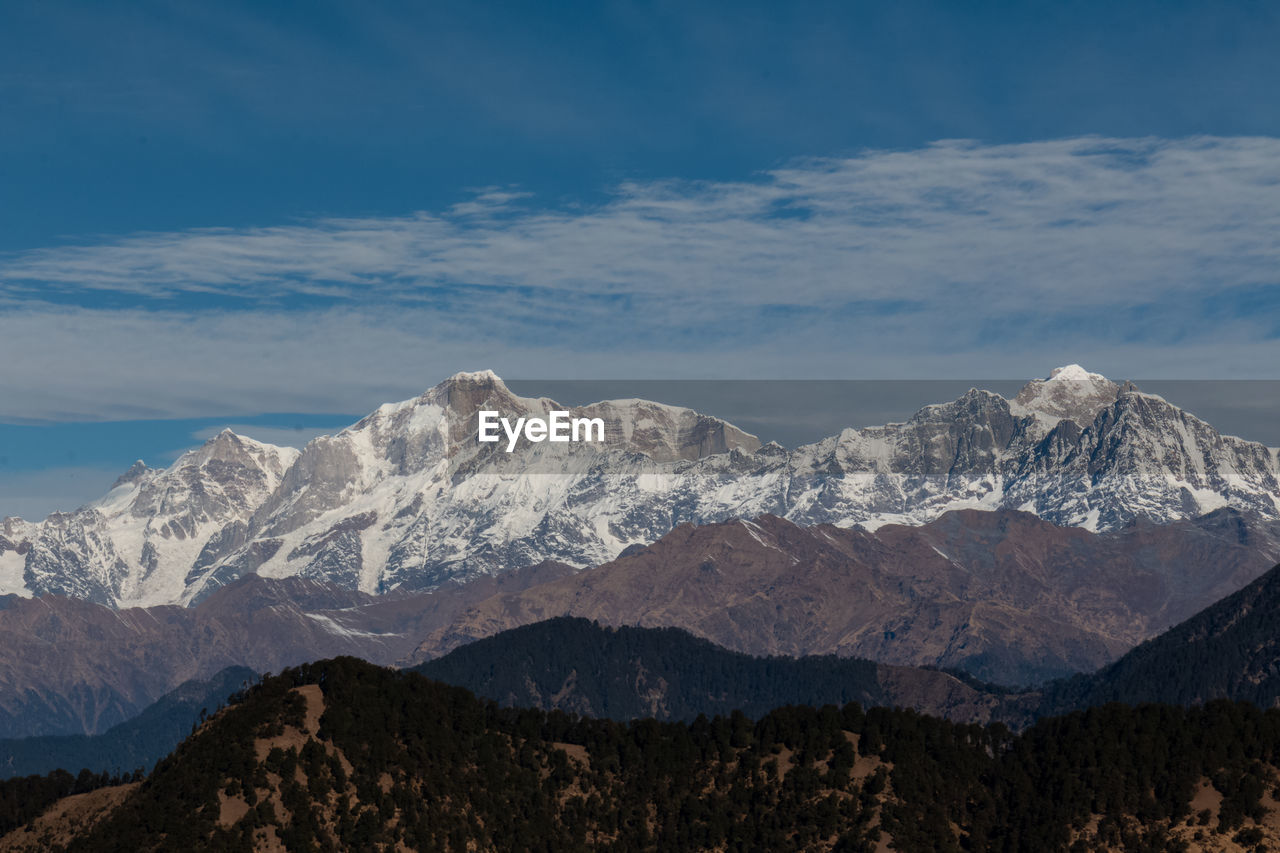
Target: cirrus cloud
1128 254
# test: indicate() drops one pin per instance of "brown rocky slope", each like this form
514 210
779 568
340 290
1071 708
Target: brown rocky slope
1004 595
74 667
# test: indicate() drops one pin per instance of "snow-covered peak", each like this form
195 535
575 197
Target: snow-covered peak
136 472
472 382
1074 373
1069 392
17 529
972 400
415 434
408 497
665 433
483 376
228 446
463 394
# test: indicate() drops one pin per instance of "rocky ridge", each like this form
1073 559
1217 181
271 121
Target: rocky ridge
1003 595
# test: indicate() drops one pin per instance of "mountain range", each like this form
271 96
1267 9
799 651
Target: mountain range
407 499
1227 651
1012 541
71 667
1005 596
1230 650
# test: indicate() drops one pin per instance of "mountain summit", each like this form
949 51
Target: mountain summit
406 498
1070 393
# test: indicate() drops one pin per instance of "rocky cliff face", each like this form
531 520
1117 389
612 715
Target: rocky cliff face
1004 595
408 498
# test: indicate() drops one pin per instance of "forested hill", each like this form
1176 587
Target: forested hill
343 755
576 665
1230 650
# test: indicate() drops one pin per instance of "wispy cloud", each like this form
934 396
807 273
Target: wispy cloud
951 259
1083 218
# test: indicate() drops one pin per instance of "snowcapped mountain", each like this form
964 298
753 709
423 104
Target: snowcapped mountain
1070 393
141 540
408 498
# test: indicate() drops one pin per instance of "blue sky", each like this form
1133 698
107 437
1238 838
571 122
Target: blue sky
163 116
260 213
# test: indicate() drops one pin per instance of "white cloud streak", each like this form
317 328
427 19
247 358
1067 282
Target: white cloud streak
1085 215
958 258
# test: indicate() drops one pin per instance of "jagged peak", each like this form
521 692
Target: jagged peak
13 526
136 471
225 437
476 376
1074 373
1128 390
1071 378
230 445
465 389
467 392
466 381
638 402
1069 392
980 393
974 396
441 392
456 398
